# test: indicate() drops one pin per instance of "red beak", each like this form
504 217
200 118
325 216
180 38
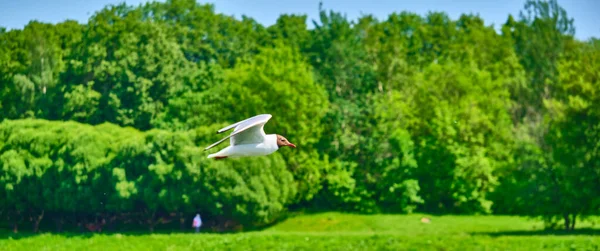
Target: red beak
292 145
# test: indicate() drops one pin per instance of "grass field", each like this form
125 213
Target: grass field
336 231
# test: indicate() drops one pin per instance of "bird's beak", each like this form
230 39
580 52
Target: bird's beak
292 145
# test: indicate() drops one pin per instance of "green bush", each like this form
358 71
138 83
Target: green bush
70 168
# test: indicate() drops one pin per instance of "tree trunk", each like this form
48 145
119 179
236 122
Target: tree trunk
150 221
110 226
181 222
36 226
573 222
81 223
16 219
36 222
567 222
59 223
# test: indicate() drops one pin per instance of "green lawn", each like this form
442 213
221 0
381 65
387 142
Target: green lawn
336 231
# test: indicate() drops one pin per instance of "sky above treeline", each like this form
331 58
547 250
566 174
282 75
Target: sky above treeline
16 14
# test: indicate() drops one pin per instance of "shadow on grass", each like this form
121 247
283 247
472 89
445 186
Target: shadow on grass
583 231
4 235
129 230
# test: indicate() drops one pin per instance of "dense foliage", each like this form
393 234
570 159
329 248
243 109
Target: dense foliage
105 121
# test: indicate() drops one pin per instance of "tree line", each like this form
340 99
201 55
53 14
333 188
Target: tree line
106 121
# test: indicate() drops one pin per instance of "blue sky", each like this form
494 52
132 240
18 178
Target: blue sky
15 14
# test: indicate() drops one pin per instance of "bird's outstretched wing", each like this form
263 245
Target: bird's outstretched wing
249 131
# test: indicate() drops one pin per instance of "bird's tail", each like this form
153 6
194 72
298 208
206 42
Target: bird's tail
223 153
216 156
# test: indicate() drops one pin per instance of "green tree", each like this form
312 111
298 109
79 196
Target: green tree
562 183
337 53
34 62
291 30
129 67
205 35
280 82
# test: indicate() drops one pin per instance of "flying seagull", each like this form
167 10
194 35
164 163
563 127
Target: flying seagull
249 139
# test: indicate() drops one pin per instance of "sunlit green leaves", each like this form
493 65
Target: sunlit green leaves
407 113
105 168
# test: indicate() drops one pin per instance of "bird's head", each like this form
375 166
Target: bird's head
282 141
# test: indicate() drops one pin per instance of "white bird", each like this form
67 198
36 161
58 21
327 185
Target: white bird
249 139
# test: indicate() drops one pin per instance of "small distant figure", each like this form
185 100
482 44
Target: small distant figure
425 220
197 223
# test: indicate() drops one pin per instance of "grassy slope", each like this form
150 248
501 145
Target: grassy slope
335 231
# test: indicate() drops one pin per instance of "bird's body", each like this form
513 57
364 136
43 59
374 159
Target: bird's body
249 139
268 146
